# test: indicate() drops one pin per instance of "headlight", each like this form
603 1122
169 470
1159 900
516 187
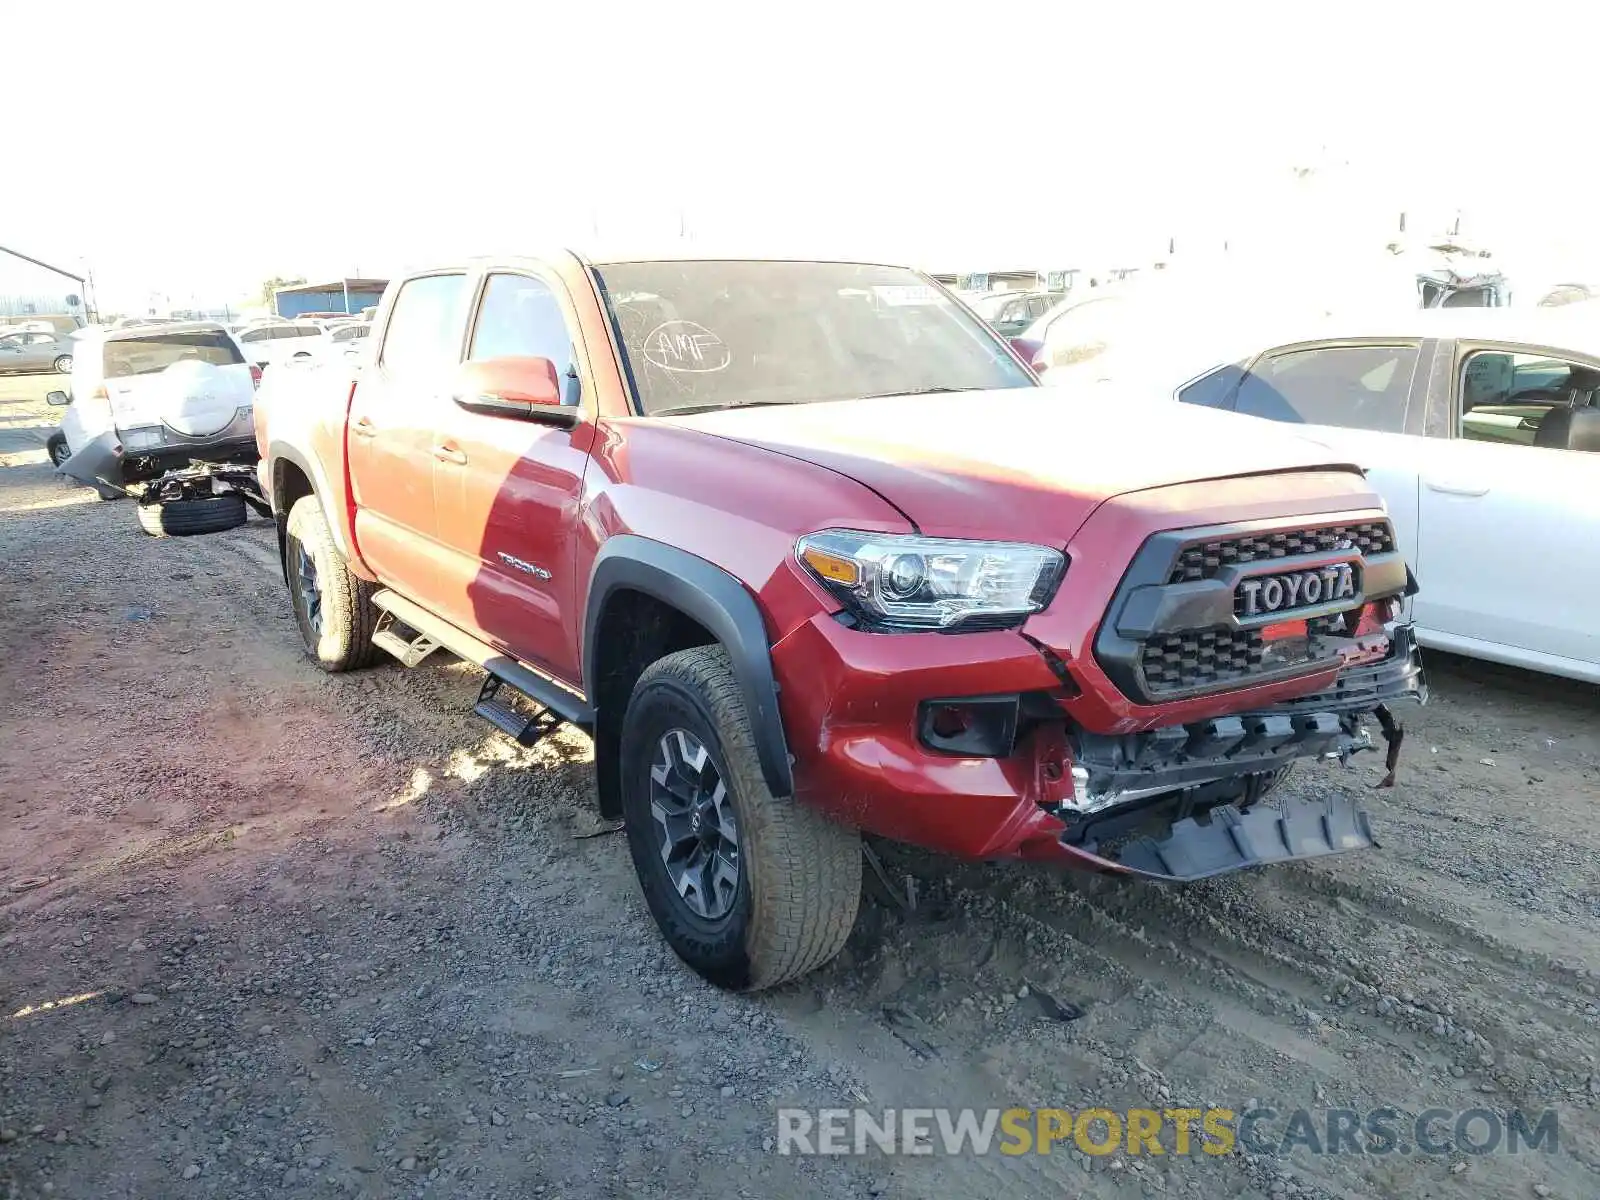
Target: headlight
901 581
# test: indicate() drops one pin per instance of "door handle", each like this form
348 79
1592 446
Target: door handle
1453 488
364 428
449 454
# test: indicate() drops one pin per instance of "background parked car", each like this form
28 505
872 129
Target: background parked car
35 352
349 339
146 398
1012 312
1479 426
267 344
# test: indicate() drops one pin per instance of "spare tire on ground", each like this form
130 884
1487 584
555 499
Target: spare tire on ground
203 514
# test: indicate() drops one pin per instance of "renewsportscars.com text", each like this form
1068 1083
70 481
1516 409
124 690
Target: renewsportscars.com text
1165 1131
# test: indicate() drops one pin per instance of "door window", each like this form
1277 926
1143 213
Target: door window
520 317
1013 310
1528 400
1349 387
425 324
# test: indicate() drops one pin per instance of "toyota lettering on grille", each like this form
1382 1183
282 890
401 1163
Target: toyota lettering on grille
1296 589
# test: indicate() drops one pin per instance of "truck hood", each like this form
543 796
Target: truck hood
1025 464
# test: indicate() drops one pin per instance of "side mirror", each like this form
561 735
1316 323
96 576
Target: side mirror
59 399
528 389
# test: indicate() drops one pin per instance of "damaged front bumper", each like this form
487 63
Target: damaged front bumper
1194 768
1167 803
1230 839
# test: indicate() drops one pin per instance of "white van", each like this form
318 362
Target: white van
282 341
149 398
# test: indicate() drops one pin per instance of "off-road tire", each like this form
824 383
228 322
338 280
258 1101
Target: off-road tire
348 615
183 518
56 447
799 873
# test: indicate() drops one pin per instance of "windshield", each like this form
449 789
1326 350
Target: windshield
719 334
158 351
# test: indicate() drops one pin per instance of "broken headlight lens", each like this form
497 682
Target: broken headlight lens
902 581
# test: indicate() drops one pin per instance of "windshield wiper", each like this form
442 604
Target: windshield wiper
684 409
927 391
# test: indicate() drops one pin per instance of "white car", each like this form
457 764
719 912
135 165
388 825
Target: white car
1480 427
348 340
145 399
275 342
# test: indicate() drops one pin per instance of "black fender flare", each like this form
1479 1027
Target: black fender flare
283 452
705 592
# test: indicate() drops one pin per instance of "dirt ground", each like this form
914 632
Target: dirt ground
267 932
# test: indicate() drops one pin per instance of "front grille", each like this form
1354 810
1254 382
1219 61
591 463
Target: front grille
1181 662
1205 560
1176 662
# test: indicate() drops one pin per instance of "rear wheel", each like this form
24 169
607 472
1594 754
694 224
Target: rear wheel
332 605
748 889
185 518
63 364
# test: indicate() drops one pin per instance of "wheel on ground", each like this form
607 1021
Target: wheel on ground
748 889
332 605
64 364
185 518
56 447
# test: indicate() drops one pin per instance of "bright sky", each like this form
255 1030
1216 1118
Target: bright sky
217 144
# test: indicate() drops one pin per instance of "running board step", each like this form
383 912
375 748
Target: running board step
409 651
562 701
519 726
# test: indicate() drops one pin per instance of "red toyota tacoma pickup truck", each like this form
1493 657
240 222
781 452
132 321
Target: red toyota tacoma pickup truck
809 552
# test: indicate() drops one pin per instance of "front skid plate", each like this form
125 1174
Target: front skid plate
1232 840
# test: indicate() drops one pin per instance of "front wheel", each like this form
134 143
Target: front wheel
56 447
750 890
63 364
332 605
